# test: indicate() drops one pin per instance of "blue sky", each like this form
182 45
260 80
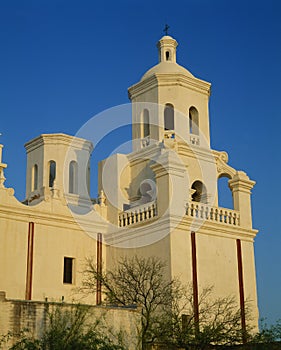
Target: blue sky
63 62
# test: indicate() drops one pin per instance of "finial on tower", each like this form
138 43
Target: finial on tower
167 48
166 28
2 167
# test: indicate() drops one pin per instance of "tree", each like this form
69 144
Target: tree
136 282
219 322
268 335
166 307
66 329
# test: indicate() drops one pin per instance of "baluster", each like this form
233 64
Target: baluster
234 219
151 211
197 210
225 217
230 218
120 220
145 213
148 212
187 209
154 210
207 213
192 210
140 215
137 216
212 214
216 215
202 212
128 219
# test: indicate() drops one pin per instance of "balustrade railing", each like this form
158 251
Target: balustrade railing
138 214
205 212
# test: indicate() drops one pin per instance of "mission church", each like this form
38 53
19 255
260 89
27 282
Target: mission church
159 200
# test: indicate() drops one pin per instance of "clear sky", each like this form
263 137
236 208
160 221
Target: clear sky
63 61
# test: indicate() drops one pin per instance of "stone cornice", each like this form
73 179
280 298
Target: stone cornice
62 139
50 217
241 182
165 79
129 233
150 152
216 229
170 224
167 163
194 151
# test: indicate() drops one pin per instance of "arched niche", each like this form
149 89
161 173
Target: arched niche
73 177
52 172
225 198
199 192
169 118
145 123
193 121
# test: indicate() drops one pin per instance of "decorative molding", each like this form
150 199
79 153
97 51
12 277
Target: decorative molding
169 79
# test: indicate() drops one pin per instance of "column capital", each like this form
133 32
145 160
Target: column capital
169 163
241 182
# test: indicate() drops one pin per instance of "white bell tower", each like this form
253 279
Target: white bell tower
57 165
169 102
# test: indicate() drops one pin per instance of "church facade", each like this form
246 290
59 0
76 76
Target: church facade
159 200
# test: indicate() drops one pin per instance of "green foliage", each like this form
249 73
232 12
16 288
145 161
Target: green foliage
268 334
166 307
219 322
66 329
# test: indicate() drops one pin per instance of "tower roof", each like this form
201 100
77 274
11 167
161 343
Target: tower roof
167 68
167 59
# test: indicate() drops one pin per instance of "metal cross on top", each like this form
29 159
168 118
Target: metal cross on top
166 29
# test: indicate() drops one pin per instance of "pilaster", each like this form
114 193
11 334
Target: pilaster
241 187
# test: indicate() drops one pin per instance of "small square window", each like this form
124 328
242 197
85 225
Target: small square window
68 270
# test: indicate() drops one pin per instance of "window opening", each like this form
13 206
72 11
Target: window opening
225 198
193 121
169 117
35 177
73 177
52 173
200 194
68 270
146 125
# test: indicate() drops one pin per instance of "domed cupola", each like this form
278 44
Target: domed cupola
167 56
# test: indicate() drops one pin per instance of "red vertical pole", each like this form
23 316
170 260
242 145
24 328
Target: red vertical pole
194 280
29 265
241 288
99 267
